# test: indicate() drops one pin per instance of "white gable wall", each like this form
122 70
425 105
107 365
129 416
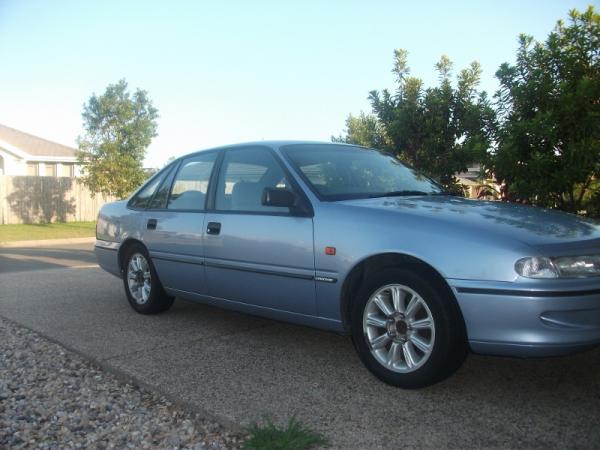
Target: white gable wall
13 164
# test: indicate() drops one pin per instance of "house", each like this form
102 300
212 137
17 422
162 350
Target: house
477 184
24 154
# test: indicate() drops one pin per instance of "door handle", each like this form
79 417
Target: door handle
213 228
151 225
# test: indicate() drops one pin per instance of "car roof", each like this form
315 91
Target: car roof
274 144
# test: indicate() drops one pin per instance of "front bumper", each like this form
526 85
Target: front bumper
530 319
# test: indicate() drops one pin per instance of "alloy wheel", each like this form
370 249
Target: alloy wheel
399 328
139 278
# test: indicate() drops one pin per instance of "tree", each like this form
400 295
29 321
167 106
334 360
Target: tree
439 130
364 130
549 107
119 127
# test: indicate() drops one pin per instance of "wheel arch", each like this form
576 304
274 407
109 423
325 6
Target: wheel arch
124 248
373 263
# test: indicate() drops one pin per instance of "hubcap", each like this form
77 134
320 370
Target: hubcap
399 328
139 279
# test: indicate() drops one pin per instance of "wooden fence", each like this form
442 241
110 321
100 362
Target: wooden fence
25 199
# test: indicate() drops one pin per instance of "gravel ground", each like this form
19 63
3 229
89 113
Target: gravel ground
52 398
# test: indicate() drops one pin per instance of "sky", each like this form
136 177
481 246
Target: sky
236 71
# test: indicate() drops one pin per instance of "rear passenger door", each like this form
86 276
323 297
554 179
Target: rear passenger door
174 224
257 254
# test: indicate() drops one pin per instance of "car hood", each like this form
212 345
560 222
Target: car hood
537 227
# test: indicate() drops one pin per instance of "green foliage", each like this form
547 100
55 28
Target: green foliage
294 437
541 138
549 105
438 130
119 127
363 130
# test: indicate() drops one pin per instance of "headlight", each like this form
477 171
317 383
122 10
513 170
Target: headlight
536 267
578 266
559 267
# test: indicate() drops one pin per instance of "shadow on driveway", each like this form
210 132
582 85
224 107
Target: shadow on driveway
38 258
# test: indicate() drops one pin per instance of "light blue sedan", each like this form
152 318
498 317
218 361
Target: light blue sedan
349 239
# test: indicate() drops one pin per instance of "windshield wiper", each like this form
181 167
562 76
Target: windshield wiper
401 193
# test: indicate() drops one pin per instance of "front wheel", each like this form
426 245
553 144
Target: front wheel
406 331
142 286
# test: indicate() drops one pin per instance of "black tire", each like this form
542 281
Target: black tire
449 342
157 301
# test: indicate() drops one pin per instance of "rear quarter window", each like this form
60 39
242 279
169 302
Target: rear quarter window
143 197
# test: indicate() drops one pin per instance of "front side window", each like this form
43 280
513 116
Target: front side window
191 183
338 172
244 175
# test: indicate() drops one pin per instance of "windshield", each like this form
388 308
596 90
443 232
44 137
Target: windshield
340 172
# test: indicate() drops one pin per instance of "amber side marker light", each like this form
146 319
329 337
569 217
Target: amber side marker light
330 251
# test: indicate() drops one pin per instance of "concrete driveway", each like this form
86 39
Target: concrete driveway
241 369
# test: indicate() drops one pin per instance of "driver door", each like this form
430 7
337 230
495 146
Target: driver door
257 254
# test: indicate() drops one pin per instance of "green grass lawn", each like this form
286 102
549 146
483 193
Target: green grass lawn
47 231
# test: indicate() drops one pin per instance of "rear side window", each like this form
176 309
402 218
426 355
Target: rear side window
191 183
142 198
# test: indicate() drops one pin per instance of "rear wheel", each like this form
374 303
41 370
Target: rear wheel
142 286
406 331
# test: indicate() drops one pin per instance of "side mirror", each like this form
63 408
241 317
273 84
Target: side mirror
278 197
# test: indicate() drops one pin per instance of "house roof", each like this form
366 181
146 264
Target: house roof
468 182
33 145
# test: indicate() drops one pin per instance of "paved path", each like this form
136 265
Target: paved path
241 368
